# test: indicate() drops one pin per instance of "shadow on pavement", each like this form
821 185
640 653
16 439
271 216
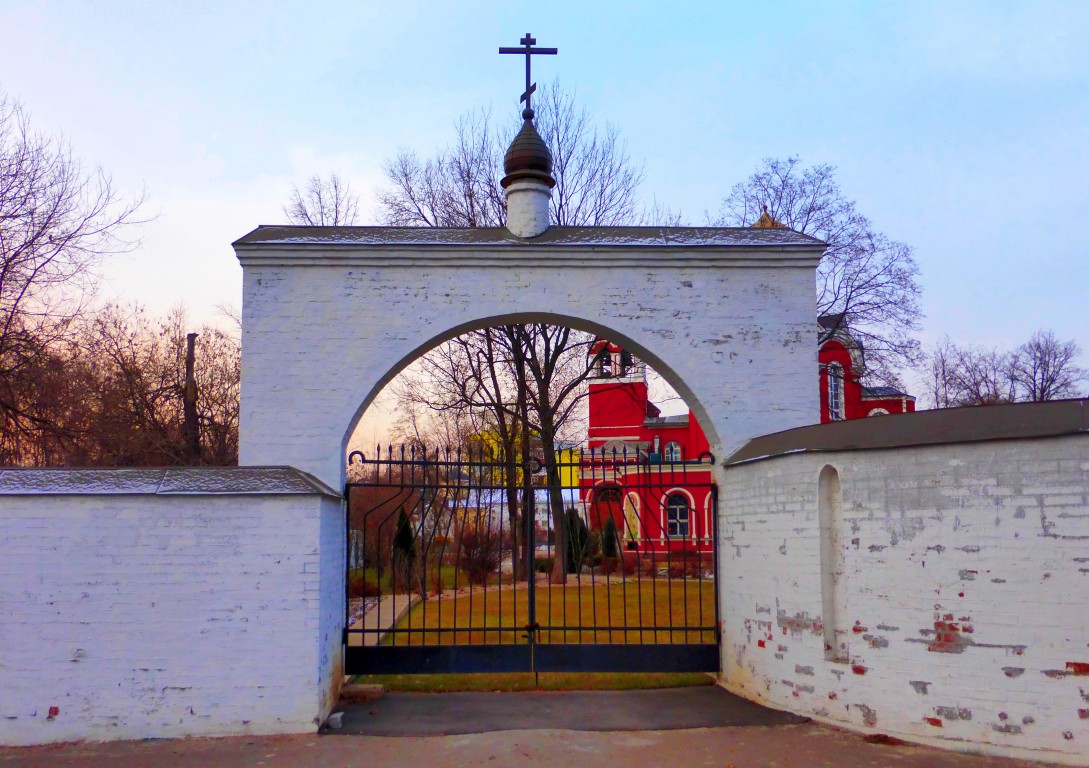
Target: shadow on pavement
442 714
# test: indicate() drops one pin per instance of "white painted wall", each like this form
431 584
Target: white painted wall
325 328
991 538
148 615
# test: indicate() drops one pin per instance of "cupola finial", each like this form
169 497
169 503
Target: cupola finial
528 163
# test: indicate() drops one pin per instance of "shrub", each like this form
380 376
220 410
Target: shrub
610 540
360 587
404 555
543 564
479 553
593 543
577 537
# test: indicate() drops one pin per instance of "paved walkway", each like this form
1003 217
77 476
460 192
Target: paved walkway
588 729
785 746
428 714
388 612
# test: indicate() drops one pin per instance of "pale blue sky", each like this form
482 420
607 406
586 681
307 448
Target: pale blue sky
960 128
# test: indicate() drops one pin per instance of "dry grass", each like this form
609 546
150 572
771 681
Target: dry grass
663 610
548 681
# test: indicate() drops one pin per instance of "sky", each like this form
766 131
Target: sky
961 128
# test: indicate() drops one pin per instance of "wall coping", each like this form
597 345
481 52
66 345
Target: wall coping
943 426
553 237
161 481
557 247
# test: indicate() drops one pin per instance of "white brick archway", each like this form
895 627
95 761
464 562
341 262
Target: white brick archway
330 315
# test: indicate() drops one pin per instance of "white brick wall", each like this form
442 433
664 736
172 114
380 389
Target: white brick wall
142 616
991 538
323 332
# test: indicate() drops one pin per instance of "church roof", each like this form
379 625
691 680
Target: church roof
477 237
666 421
883 392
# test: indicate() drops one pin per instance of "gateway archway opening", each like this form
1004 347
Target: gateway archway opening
520 512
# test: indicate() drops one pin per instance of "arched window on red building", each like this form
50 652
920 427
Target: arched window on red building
678 515
835 392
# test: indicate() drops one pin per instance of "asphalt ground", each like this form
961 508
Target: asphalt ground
807 745
591 729
429 714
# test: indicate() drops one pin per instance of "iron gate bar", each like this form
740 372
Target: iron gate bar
435 492
448 659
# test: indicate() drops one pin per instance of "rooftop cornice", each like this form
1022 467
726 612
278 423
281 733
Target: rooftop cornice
530 256
160 481
499 237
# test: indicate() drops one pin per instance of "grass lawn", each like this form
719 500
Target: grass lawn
593 613
549 681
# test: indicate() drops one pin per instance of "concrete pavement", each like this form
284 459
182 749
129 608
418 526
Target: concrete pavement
786 746
696 726
428 714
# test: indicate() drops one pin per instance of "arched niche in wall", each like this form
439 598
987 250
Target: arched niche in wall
832 554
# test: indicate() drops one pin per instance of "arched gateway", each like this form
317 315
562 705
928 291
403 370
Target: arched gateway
331 315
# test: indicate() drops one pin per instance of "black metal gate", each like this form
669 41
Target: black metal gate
467 562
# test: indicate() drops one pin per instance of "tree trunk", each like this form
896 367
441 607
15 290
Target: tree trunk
555 498
189 402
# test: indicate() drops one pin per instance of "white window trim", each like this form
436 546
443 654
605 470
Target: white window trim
837 405
665 512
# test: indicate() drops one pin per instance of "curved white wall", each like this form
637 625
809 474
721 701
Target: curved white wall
965 569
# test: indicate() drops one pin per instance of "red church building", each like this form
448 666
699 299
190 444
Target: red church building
842 394
652 473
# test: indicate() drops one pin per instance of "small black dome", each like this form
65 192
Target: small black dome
528 155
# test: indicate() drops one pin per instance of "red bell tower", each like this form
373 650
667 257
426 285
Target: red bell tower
618 397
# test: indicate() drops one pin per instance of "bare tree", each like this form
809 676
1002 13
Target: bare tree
1044 368
865 278
112 393
523 385
325 202
941 374
984 377
457 187
596 180
597 183
57 223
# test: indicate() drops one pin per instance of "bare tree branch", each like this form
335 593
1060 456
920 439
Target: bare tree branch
1040 369
597 182
57 223
865 279
325 202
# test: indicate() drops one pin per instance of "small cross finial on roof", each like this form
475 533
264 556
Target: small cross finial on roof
528 50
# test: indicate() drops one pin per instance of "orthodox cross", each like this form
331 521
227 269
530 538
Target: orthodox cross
528 50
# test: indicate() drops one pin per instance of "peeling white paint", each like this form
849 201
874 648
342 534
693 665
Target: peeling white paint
949 612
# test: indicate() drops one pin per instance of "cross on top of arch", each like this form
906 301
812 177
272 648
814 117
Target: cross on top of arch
527 49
